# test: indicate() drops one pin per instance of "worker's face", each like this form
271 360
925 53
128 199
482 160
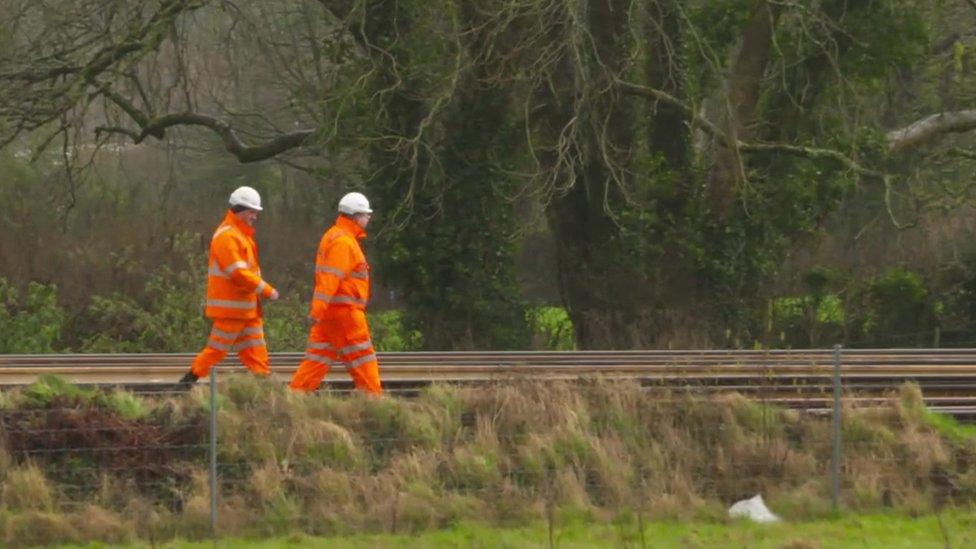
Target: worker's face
248 216
362 219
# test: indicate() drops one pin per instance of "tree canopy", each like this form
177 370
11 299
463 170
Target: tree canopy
677 152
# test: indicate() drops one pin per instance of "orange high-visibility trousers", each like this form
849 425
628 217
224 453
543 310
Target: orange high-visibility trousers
341 336
245 336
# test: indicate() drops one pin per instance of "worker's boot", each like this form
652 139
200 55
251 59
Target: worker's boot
188 379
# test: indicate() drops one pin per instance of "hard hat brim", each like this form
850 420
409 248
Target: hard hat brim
248 206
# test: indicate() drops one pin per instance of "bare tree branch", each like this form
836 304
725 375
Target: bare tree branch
727 141
962 153
134 135
47 90
930 127
814 153
232 142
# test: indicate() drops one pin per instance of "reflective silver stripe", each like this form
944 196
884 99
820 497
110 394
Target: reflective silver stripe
362 360
318 359
248 343
357 347
218 345
226 335
253 331
348 299
313 345
338 299
260 287
236 265
215 271
332 270
220 229
231 304
359 274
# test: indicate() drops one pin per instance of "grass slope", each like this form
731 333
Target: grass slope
79 465
955 529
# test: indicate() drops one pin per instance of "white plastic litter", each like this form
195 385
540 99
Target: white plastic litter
754 509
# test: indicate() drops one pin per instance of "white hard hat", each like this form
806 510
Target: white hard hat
247 197
354 203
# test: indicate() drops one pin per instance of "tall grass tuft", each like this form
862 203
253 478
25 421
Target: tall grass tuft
27 489
33 528
96 523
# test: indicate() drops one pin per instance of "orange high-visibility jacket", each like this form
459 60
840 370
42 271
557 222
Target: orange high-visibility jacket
341 270
234 278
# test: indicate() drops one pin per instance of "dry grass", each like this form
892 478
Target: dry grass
31 528
96 523
27 489
506 454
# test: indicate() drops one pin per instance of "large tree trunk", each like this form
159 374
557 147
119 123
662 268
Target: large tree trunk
619 299
604 290
739 110
452 261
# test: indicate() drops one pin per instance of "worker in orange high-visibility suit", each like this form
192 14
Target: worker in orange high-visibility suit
234 286
340 333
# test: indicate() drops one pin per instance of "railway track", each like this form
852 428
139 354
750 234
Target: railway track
794 378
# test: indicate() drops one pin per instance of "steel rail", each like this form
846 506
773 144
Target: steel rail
790 378
957 366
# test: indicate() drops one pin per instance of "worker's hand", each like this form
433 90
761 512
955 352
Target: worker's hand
274 295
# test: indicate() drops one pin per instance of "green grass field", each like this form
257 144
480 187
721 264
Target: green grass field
957 530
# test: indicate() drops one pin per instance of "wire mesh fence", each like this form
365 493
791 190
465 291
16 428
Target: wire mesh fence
246 456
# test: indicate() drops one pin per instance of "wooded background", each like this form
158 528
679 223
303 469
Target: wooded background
546 173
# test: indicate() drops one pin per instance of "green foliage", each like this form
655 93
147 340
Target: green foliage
49 388
894 308
172 321
807 321
627 530
389 333
950 427
31 324
124 403
286 323
551 328
899 308
166 317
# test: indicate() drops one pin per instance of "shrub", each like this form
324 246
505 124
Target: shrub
31 325
552 329
390 334
170 321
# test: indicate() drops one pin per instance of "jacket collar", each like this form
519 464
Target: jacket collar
233 221
347 224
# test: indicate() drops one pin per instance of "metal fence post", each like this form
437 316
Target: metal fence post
213 452
835 461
